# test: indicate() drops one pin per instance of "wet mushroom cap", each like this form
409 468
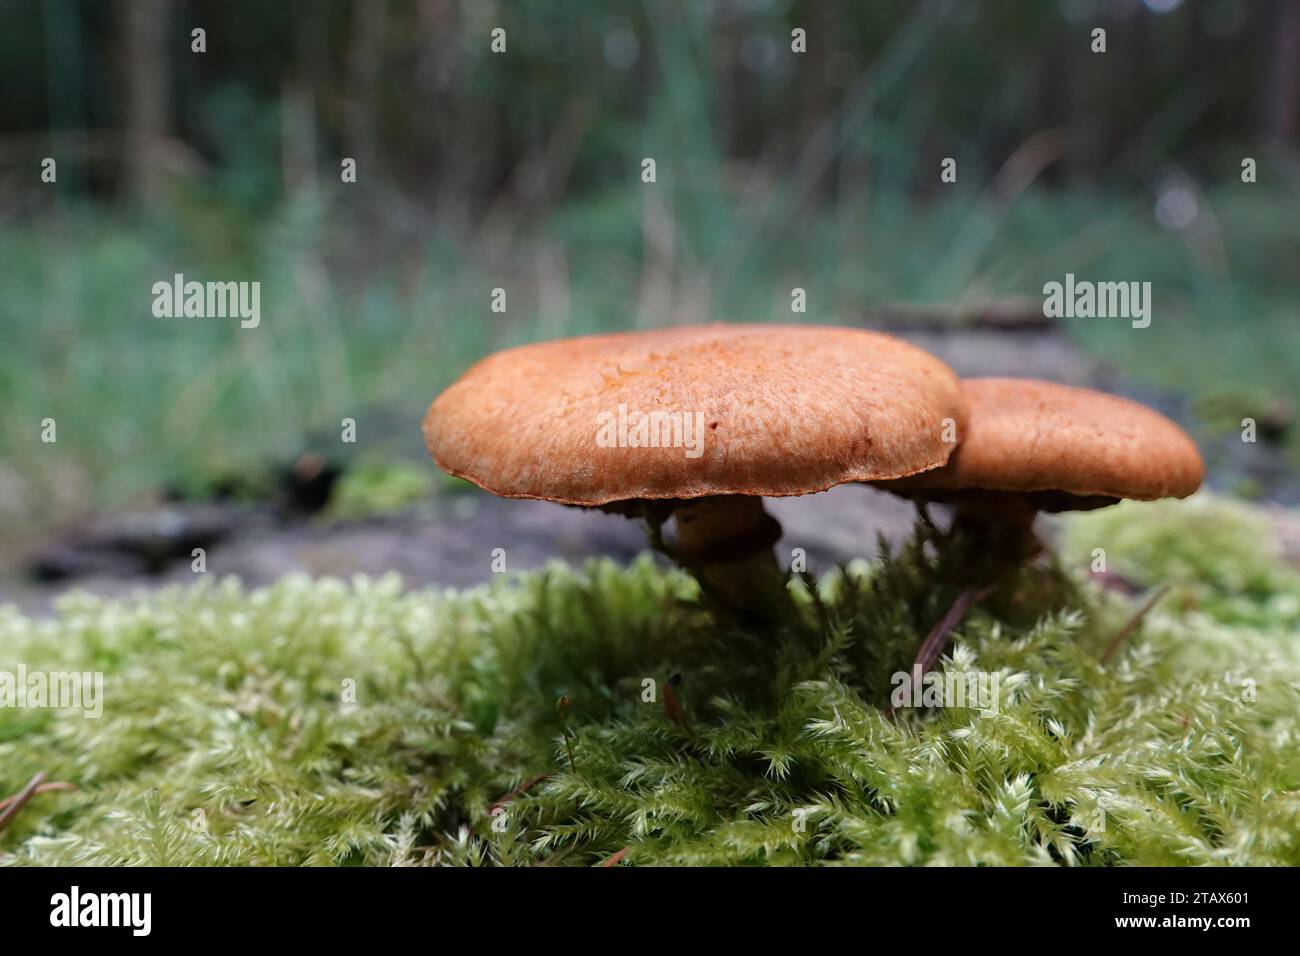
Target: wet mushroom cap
1068 448
728 410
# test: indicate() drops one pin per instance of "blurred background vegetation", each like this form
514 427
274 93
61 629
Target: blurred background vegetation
521 170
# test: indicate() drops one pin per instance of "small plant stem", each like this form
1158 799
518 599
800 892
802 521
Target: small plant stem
923 512
562 707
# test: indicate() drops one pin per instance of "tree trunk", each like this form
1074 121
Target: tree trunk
1283 91
365 54
145 24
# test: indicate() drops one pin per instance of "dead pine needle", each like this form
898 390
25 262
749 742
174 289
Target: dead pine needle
1132 623
518 791
52 787
615 859
14 805
673 707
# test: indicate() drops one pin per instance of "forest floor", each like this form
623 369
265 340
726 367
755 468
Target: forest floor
583 717
276 715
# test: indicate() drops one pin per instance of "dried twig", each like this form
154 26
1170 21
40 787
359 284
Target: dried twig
615 860
937 639
1111 581
1132 624
673 707
54 786
19 800
517 792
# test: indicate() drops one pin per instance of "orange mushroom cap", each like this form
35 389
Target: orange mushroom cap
1070 447
779 410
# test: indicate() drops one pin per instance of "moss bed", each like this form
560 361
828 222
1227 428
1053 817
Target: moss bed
324 722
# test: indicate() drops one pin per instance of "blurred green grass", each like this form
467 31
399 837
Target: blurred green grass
356 318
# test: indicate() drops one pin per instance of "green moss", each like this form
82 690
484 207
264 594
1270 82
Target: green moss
1220 558
225 737
381 487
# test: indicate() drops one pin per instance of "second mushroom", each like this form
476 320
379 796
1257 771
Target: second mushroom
1034 446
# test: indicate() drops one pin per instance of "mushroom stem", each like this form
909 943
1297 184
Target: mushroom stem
727 543
999 529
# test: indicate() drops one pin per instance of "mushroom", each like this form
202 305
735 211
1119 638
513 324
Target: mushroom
1034 446
698 422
